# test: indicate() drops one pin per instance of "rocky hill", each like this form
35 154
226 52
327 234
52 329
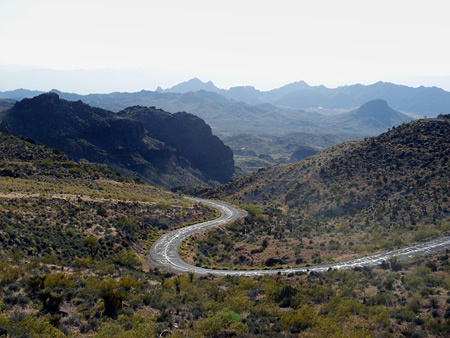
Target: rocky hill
372 117
393 182
190 136
125 141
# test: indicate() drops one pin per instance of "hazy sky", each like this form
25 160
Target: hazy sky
262 43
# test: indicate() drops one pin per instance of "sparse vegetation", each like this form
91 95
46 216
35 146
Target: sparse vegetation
352 199
73 238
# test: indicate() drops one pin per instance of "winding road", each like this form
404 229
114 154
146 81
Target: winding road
165 251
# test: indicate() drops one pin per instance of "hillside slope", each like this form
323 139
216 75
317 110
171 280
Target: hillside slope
122 140
54 203
70 233
72 241
350 200
398 176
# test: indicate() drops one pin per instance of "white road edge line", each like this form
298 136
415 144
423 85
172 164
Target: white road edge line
165 251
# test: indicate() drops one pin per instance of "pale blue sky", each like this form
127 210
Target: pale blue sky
246 42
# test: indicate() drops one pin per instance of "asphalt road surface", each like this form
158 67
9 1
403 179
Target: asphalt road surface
164 253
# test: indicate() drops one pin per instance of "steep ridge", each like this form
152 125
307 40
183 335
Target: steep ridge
122 141
192 138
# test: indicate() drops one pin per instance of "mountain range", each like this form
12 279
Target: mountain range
418 101
299 95
229 117
160 148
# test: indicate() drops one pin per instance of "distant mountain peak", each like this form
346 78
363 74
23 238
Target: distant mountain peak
195 81
300 83
377 108
372 115
192 85
375 105
294 86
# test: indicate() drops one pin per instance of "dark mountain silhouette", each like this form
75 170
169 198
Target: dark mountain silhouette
126 141
191 137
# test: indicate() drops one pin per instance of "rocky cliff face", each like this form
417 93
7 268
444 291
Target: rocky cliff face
164 149
192 138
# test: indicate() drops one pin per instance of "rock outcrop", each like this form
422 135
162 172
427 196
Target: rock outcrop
162 148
